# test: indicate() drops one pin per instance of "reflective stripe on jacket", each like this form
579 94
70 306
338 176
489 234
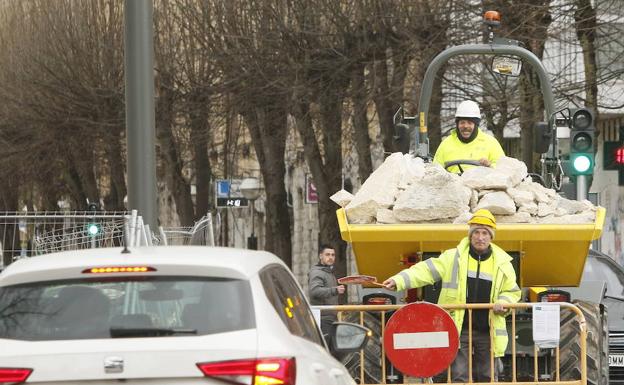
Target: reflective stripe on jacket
483 146
451 267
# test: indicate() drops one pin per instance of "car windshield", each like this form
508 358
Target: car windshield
125 307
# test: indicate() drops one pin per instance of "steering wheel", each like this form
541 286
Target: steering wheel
460 162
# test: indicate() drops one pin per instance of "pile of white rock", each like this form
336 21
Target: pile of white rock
404 189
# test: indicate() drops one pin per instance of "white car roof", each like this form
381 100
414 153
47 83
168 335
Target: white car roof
168 260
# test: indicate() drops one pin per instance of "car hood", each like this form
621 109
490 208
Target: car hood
163 357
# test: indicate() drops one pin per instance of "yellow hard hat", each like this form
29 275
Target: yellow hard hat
483 217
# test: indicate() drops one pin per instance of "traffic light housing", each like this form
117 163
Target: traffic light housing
613 156
93 227
582 134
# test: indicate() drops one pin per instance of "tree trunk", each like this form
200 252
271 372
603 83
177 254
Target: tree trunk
268 127
434 126
9 201
530 112
585 25
165 120
118 190
383 103
388 95
360 123
325 173
200 131
331 119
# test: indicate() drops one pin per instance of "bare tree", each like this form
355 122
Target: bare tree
63 92
586 28
244 39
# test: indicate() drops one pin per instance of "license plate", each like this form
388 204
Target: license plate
616 359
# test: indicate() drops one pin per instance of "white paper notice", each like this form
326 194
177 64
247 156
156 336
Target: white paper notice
317 316
546 325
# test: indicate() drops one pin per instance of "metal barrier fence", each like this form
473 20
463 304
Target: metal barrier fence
199 234
25 234
347 312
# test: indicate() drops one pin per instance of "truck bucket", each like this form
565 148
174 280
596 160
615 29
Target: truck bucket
549 254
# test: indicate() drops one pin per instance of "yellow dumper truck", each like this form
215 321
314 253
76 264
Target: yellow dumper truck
545 255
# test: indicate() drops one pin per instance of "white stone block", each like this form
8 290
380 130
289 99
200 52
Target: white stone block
546 209
386 216
499 203
521 197
425 201
342 198
463 218
572 207
519 217
412 170
584 217
484 178
474 199
378 191
529 208
515 169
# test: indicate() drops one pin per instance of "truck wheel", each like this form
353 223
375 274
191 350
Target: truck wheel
372 351
597 344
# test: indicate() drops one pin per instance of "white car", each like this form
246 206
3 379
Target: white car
163 315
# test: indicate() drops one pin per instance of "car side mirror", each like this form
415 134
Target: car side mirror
542 137
349 337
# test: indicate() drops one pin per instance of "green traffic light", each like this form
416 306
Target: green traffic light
582 164
93 229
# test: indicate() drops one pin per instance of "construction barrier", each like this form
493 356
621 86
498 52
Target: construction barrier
357 313
27 234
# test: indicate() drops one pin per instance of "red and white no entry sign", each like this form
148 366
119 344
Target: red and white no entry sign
421 339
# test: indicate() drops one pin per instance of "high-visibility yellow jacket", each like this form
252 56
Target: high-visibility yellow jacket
483 146
451 267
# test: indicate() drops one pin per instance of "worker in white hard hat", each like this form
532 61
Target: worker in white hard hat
467 141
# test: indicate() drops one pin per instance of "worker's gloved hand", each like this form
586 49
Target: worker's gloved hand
499 308
485 162
389 284
340 288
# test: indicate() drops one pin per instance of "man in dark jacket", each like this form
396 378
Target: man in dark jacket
324 288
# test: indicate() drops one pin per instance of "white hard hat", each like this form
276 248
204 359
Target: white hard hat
468 109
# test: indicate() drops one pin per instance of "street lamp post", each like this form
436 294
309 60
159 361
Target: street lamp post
250 188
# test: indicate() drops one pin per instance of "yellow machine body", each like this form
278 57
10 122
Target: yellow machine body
550 254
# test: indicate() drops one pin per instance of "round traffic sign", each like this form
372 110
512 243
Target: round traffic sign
421 339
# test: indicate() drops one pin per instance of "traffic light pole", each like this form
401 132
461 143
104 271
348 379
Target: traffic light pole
581 187
140 120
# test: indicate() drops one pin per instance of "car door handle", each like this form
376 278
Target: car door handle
317 368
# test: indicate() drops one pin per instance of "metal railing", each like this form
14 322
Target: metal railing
26 234
344 310
199 234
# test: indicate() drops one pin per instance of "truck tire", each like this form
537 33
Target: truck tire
372 351
597 347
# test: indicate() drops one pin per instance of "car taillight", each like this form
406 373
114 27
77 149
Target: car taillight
261 371
14 375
